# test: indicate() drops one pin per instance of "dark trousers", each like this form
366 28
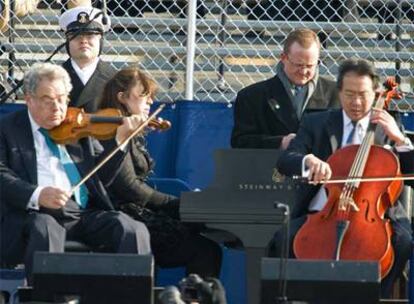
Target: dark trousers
113 231
401 242
197 253
175 243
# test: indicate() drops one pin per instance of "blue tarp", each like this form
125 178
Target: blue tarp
408 121
186 150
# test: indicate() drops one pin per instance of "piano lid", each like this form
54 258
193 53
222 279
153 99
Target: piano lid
244 168
242 197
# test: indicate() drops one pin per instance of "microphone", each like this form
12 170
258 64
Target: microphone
104 13
284 207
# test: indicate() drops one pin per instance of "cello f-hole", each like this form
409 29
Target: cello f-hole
366 205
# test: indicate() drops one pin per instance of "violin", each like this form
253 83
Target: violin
101 125
151 119
352 225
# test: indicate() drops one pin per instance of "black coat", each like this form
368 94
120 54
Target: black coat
130 185
18 177
321 135
263 112
86 96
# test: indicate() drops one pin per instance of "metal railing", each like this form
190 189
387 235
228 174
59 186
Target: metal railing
208 50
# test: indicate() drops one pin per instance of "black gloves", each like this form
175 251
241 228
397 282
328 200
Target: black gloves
168 204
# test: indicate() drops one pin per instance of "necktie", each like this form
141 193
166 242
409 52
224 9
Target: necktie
297 90
81 193
353 137
298 99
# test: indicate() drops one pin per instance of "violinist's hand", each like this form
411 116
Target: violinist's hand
318 169
286 140
129 125
388 123
53 198
158 121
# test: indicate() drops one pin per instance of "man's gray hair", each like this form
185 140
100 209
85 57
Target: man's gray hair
40 71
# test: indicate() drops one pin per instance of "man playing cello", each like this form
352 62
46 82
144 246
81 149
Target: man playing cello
322 134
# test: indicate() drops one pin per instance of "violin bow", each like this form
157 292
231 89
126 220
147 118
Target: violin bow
119 147
339 180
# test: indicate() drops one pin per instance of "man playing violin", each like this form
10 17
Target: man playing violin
40 209
321 134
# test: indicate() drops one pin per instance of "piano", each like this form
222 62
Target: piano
242 199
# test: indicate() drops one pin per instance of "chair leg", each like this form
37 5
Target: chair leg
2 298
400 290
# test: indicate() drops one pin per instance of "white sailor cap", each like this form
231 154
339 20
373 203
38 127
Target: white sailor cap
84 19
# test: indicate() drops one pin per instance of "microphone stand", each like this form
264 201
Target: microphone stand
282 298
19 83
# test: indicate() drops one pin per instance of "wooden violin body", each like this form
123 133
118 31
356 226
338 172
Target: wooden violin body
368 235
101 125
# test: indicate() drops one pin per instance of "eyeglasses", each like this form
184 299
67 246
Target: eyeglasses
301 66
48 101
354 95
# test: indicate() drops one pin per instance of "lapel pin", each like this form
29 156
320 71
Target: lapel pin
274 103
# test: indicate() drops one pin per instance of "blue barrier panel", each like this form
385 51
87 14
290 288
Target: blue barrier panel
173 186
408 121
203 128
162 145
233 276
186 150
169 276
10 281
11 107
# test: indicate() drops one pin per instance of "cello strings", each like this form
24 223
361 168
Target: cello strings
357 169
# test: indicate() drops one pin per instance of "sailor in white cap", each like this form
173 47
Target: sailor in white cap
84 30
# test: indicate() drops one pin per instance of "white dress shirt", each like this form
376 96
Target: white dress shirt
361 130
50 171
86 73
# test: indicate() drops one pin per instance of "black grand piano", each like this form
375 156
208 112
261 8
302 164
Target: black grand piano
242 200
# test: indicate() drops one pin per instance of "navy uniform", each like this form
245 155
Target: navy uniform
86 88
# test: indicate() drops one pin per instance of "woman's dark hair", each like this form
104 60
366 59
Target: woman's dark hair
123 81
360 67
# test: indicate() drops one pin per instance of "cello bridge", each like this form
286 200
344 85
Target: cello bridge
345 202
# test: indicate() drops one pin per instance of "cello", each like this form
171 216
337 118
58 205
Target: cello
352 226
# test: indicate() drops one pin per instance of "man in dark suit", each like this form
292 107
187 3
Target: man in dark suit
321 134
267 114
87 71
39 208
